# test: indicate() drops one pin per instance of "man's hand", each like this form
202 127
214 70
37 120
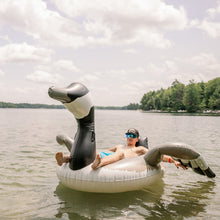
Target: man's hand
178 164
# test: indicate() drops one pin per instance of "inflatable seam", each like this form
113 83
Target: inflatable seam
99 177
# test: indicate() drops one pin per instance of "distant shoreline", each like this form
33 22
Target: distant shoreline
28 105
46 106
9 105
202 113
51 107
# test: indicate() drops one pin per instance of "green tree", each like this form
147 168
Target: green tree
166 100
176 97
212 94
202 95
191 98
148 101
158 99
133 106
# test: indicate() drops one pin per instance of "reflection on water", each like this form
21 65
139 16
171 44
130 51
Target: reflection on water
107 206
186 201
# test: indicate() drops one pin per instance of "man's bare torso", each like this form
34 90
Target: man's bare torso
130 151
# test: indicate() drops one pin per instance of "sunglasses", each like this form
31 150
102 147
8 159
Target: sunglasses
131 135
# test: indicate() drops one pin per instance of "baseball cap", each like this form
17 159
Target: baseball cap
133 131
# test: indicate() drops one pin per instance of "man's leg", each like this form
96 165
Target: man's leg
61 159
98 162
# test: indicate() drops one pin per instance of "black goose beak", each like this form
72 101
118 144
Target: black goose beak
59 94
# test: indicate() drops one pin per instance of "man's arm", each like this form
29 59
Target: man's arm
168 159
140 150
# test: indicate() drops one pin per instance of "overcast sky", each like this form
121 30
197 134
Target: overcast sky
120 49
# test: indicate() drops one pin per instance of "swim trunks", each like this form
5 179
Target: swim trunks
104 154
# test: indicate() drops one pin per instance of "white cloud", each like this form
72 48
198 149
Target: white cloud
203 66
149 38
1 73
44 77
109 77
24 53
205 63
213 12
209 24
200 67
90 78
211 28
97 22
142 86
170 66
5 38
127 12
194 23
67 65
130 51
110 22
35 19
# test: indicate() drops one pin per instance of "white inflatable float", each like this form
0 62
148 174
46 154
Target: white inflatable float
109 179
125 175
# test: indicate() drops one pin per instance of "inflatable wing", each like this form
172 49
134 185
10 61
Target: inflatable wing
181 152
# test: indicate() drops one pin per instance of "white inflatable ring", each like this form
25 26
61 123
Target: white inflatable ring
110 179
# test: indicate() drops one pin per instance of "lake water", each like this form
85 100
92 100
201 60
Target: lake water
29 188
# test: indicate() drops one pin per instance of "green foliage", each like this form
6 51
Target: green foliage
27 105
133 106
212 94
166 100
177 93
192 97
111 107
148 101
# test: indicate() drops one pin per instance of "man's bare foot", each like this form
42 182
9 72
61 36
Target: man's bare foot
66 159
96 162
59 158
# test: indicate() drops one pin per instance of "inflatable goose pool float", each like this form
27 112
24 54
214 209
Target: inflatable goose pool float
125 175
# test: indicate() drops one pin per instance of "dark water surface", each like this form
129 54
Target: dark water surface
29 188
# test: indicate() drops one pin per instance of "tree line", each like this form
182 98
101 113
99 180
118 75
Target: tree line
28 105
37 106
111 107
193 97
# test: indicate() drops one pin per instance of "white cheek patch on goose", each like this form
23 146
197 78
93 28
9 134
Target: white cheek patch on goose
81 106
